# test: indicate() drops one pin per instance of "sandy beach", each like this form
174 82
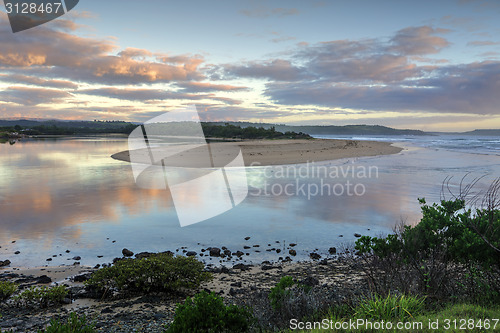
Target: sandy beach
268 152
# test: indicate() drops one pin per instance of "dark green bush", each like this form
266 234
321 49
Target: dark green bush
453 252
159 272
73 324
41 296
206 313
283 290
7 288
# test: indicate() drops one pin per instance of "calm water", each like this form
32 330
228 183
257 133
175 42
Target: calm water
68 194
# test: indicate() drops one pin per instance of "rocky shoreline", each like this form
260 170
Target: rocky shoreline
335 277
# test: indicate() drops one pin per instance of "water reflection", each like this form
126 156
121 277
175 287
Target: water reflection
69 193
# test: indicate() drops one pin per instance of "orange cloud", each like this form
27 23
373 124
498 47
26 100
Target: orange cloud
63 54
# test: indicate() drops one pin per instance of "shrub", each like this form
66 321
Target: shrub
73 324
281 291
292 299
42 296
453 252
160 272
389 308
207 313
7 288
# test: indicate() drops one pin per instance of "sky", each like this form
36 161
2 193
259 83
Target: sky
428 65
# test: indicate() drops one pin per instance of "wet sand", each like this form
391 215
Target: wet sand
271 152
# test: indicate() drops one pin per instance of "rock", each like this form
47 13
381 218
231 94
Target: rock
332 250
158 316
142 255
293 244
214 252
247 238
68 251
323 262
17 252
227 252
341 235
242 267
191 253
357 235
222 269
48 259
287 259
66 300
4 263
107 310
314 256
292 252
82 277
238 253
268 267
310 281
236 284
44 279
266 262
8 276
256 245
97 266
278 250
127 253
77 258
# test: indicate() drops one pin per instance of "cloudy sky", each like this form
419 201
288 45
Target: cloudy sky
430 65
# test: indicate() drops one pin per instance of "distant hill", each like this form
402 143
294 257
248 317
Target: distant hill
336 130
484 132
124 127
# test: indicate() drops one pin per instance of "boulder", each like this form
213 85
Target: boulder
314 256
214 252
127 253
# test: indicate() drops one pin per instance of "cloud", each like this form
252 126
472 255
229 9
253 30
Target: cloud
89 60
148 95
369 60
344 61
19 78
133 94
32 96
418 41
471 88
482 43
263 12
196 87
278 69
